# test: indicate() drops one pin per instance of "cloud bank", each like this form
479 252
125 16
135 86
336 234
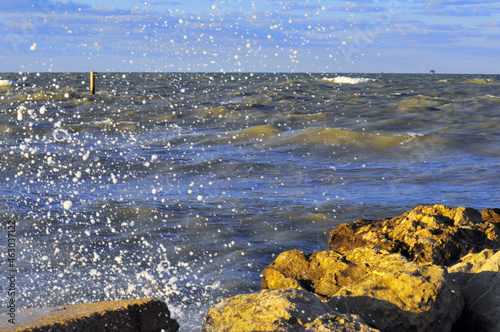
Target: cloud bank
266 35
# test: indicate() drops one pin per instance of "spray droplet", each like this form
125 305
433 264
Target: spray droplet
67 205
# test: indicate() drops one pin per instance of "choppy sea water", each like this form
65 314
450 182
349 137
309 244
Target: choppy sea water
183 187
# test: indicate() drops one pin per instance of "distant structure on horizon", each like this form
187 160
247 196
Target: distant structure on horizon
432 71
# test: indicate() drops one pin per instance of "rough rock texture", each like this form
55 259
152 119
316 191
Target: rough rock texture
385 289
491 215
283 309
478 276
427 234
390 273
143 315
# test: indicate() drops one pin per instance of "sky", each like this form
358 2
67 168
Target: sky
330 36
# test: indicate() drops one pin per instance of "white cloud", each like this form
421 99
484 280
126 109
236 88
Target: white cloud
233 37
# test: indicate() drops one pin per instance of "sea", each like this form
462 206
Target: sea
184 186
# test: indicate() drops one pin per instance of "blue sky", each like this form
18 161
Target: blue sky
449 36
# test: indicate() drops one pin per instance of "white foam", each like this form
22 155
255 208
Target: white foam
86 155
8 82
348 80
61 135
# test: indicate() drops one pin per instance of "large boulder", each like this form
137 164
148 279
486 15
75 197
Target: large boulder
389 292
427 234
284 309
137 315
478 276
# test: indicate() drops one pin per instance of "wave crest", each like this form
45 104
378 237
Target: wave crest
348 80
8 83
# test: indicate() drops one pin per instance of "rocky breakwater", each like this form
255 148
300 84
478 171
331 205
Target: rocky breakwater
136 315
432 268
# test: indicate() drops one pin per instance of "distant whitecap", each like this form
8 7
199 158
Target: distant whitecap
349 80
8 82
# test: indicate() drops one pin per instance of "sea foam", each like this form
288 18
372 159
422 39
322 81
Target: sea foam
8 82
348 80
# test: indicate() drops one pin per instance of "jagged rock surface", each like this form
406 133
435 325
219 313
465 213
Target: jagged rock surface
427 234
385 289
284 309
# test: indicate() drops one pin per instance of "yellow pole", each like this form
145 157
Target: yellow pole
92 83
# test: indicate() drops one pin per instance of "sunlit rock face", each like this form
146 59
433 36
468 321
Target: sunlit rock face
385 289
491 215
478 276
427 234
394 274
284 309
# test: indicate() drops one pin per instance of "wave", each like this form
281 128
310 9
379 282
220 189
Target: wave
8 83
220 112
479 81
348 80
492 98
269 134
108 125
342 137
421 102
252 134
317 136
467 81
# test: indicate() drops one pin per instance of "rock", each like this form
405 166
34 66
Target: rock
478 276
427 234
143 315
284 309
389 275
389 292
491 215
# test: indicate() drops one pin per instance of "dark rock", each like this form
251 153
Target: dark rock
143 315
478 277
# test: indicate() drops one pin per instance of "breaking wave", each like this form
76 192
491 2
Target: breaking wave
8 83
348 80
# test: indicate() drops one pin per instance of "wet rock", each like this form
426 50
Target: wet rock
142 315
391 273
283 309
427 234
491 215
478 276
389 292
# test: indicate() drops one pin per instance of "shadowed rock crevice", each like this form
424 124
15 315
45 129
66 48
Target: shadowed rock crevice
478 278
